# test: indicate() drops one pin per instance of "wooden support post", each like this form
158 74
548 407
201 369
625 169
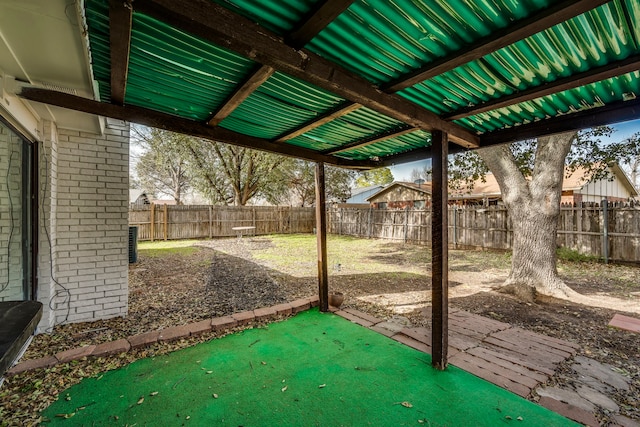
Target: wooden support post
321 236
439 252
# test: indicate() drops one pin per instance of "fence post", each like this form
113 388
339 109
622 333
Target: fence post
165 225
210 222
406 223
605 230
253 217
152 220
455 227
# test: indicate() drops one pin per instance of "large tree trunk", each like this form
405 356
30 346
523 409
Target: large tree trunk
534 208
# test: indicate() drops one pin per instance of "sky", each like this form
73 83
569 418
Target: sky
622 131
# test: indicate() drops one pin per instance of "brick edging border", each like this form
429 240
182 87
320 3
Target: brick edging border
172 333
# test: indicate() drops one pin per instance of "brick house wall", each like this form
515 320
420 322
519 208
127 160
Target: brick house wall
10 212
84 216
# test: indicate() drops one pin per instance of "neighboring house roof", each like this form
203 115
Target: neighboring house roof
135 194
489 188
360 194
359 190
573 181
423 188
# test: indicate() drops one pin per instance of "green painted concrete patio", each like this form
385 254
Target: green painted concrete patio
311 369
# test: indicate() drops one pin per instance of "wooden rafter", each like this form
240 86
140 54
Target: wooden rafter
321 16
371 140
597 74
319 121
621 111
553 15
165 121
120 18
241 93
222 27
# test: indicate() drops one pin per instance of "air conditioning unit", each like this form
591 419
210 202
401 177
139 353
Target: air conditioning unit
133 245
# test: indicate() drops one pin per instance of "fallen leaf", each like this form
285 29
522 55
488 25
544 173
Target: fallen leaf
519 418
285 388
141 400
209 372
407 404
188 417
153 394
322 386
215 396
264 363
66 415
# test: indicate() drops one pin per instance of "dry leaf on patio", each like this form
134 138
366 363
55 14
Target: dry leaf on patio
153 393
215 396
141 400
285 388
406 404
322 386
66 415
209 372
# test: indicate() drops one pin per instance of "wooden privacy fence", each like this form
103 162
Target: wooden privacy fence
170 222
610 231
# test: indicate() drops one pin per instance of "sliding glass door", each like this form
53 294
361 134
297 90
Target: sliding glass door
16 216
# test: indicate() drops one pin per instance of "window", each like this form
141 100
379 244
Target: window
418 204
16 211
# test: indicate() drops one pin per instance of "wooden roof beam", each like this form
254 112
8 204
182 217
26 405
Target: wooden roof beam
165 121
597 74
222 27
241 93
120 18
371 140
321 16
519 30
617 112
319 121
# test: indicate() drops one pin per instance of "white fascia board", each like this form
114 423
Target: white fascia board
18 112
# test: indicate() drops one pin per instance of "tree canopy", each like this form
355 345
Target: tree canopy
380 176
170 164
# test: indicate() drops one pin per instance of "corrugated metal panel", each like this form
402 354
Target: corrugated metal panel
169 71
590 40
355 126
279 16
589 96
400 144
382 40
279 105
97 14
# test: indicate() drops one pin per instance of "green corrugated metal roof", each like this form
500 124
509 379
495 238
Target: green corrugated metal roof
280 104
381 41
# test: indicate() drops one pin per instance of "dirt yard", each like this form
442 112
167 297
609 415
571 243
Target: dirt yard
180 283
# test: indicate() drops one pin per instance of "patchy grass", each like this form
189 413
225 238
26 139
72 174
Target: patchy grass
166 248
570 255
296 254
